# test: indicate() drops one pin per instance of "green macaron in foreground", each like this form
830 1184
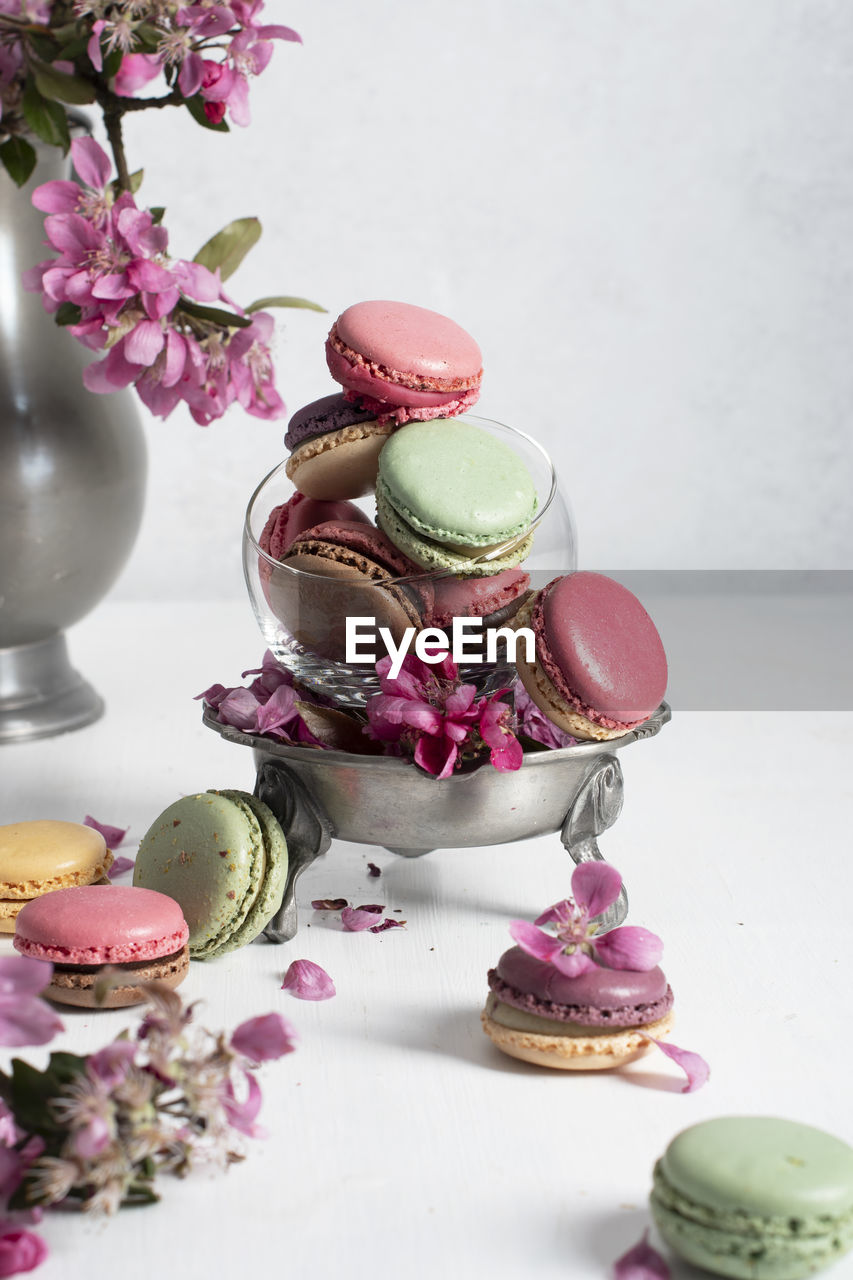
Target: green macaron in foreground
755 1197
222 856
449 493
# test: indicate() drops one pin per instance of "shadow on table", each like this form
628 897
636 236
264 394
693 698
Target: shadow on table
604 1237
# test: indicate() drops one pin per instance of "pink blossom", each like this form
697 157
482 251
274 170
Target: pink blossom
24 1019
308 981
427 709
136 71
21 1251
264 1038
642 1262
533 723
111 1064
575 946
495 730
119 867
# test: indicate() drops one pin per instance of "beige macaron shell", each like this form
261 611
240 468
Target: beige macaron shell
38 857
340 464
602 1052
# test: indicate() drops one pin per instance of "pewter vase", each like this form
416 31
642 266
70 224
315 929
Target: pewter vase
72 484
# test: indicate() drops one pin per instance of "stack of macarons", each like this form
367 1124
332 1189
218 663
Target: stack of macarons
45 855
397 363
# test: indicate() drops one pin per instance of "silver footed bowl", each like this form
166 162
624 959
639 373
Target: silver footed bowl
321 795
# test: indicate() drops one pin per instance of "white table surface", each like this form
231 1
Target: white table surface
401 1142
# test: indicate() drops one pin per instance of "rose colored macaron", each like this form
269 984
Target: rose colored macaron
81 930
495 599
335 448
600 667
405 363
299 513
597 1021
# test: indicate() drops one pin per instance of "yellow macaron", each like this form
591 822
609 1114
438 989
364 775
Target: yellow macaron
38 857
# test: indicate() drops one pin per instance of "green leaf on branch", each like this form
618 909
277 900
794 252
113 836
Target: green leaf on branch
262 303
148 38
135 183
60 87
158 212
214 315
67 313
75 48
44 46
227 249
19 158
47 120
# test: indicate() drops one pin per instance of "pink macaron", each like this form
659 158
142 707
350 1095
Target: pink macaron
82 930
495 599
404 363
600 668
287 521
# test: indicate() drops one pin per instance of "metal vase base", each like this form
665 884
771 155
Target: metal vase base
41 694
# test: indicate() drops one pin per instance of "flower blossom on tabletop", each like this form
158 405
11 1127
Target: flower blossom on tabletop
20 1251
427 712
576 946
163 1101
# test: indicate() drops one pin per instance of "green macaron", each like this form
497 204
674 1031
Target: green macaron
222 855
755 1197
452 496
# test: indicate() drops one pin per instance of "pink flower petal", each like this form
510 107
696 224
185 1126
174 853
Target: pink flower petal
241 1115
26 1020
509 757
436 755
641 1263
114 836
136 70
534 941
240 710
23 976
191 74
388 923
308 981
58 196
573 964
274 32
90 1140
595 886
692 1064
329 904
144 343
21 1251
629 947
91 162
120 866
264 1038
93 48
112 1063
356 919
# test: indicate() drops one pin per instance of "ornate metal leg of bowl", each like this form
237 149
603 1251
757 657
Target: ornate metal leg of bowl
596 807
308 835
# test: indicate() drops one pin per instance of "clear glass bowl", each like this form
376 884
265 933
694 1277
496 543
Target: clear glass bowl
302 616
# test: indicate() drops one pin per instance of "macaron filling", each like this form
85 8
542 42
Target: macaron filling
330 413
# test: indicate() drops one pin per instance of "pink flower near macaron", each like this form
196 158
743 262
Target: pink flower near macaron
575 946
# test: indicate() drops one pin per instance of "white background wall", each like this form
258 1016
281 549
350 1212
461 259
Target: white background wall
641 210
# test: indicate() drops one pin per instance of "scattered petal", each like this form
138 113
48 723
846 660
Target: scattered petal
120 866
373 870
355 919
378 907
241 1115
387 923
329 904
641 1263
114 836
308 981
692 1064
264 1038
21 1251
